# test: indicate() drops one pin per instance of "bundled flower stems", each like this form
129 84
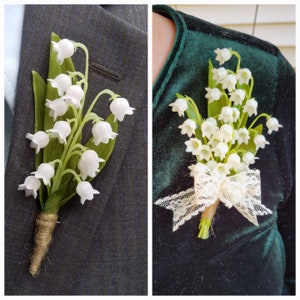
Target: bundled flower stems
224 145
64 166
45 225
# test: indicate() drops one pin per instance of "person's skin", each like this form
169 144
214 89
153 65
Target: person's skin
164 33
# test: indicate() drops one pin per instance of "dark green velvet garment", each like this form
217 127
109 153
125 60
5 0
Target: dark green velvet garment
239 258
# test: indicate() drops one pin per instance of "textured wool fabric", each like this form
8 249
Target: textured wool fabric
100 247
238 258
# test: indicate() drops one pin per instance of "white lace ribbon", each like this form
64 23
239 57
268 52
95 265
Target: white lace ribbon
241 191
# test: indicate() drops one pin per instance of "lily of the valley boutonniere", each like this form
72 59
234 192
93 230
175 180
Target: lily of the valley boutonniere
64 165
224 146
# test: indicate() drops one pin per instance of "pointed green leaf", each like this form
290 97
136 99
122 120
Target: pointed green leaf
39 94
54 149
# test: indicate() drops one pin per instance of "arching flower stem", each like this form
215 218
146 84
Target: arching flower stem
86 72
257 118
70 171
237 55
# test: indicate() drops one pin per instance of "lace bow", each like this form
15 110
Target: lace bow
241 191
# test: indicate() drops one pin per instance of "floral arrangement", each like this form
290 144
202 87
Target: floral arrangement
224 146
64 166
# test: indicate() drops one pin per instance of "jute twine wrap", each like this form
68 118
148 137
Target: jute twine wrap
45 225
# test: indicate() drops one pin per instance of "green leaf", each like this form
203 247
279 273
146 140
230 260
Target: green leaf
214 108
54 149
39 94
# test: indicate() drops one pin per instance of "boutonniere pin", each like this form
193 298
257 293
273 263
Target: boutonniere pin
65 166
224 146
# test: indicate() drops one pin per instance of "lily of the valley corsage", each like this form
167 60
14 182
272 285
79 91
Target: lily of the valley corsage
64 165
224 145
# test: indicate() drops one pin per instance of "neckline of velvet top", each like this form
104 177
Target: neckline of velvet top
174 55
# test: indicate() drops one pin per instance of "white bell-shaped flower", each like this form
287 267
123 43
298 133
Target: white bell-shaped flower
209 127
234 162
120 107
260 141
237 97
61 82
64 48
226 114
226 133
213 94
220 150
179 106
39 140
45 171
251 107
86 192
249 158
273 125
193 145
223 55
243 75
188 127
204 153
219 74
60 130
221 170
242 136
102 132
58 107
229 82
88 164
74 95
30 186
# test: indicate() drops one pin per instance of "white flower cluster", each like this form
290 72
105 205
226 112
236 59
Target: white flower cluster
223 141
71 97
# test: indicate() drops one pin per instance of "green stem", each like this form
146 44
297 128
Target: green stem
86 73
70 171
257 118
237 55
206 220
195 110
251 87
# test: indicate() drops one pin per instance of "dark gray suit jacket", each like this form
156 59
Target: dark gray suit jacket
101 247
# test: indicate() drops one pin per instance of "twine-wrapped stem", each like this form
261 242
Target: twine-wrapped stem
206 220
45 225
